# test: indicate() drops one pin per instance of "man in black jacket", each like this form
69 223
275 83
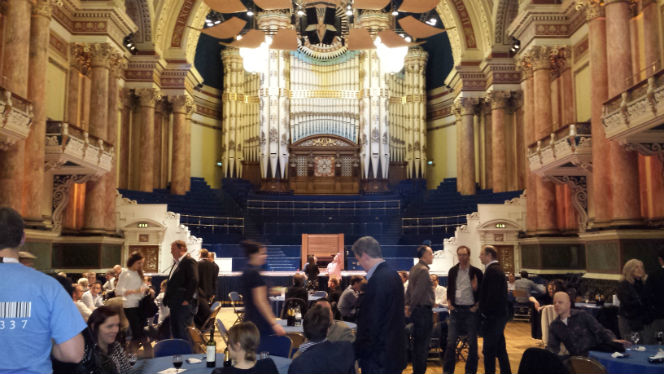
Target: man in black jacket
493 307
208 272
655 289
380 345
463 283
181 288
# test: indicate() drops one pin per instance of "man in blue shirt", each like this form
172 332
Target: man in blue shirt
34 309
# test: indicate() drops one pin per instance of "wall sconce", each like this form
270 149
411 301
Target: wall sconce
431 163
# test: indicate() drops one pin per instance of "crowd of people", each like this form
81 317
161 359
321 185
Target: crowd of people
94 327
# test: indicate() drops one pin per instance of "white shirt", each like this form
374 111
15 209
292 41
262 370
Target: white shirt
85 311
441 295
92 302
464 289
130 280
164 311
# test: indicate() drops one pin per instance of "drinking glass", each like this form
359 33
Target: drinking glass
264 355
635 338
177 363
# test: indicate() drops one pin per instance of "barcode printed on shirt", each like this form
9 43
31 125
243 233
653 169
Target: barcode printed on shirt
15 309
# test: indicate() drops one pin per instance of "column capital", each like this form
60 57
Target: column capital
126 98
464 106
559 59
148 96
117 64
540 57
44 8
100 54
182 103
524 64
498 99
593 8
80 57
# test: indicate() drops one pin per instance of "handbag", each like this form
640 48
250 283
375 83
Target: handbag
147 306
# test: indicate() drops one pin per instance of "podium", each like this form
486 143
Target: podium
323 246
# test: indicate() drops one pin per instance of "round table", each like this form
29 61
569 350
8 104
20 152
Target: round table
299 329
636 362
158 364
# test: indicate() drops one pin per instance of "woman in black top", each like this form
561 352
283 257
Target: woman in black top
243 341
254 291
311 270
634 315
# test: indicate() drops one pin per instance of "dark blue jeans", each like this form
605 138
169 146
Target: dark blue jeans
461 322
182 316
422 329
494 345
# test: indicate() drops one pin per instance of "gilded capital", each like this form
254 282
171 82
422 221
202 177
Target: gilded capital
465 106
524 64
117 64
498 99
182 103
42 8
148 96
558 59
80 57
100 54
593 8
540 57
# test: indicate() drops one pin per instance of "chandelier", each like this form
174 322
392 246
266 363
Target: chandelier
383 25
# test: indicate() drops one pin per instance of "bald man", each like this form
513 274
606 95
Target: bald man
578 330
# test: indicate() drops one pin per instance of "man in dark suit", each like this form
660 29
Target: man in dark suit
655 289
493 307
380 345
181 288
207 285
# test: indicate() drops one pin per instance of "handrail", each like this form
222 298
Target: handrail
199 221
311 205
61 128
428 222
569 130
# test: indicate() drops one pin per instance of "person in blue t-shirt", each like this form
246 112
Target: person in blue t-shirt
34 309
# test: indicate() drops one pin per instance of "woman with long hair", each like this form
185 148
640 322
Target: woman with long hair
132 288
103 352
243 341
634 315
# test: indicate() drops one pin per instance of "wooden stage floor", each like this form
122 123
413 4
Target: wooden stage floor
517 335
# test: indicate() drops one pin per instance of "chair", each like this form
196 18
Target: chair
222 331
297 339
276 345
292 302
171 347
207 325
585 365
214 305
197 339
236 298
521 310
541 361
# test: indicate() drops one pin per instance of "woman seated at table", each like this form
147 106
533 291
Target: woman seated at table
540 302
243 341
103 352
297 290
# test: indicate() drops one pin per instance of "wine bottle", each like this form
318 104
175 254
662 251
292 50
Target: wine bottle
211 350
227 358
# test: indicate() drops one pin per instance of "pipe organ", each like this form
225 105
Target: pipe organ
277 124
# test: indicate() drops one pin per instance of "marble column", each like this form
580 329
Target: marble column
466 108
625 199
498 101
520 138
147 97
159 112
79 65
118 65
187 153
546 194
182 105
33 183
528 129
95 192
488 152
16 51
651 35
122 151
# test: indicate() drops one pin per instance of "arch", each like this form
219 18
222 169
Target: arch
504 12
175 33
491 225
470 36
141 12
152 224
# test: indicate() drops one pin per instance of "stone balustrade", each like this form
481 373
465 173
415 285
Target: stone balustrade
15 118
567 151
72 150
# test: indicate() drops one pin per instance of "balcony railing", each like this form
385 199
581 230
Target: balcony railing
291 207
635 118
213 223
72 150
567 151
15 118
432 225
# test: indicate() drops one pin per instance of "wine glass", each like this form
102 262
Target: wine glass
177 363
132 359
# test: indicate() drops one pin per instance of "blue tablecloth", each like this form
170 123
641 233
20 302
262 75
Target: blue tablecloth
637 362
155 365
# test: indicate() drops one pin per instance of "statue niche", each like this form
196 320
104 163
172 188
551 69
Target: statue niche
324 164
